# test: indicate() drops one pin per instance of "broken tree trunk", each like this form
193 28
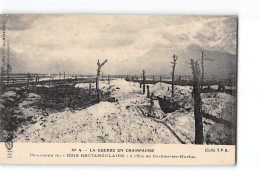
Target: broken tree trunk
28 79
173 69
89 89
143 82
8 64
98 73
151 107
202 68
148 91
197 102
152 100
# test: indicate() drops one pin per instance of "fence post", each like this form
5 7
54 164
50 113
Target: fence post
28 80
89 89
148 92
143 82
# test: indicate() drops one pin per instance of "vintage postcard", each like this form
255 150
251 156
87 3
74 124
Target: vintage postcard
118 89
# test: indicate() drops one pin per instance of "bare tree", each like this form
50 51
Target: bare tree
173 69
197 102
98 73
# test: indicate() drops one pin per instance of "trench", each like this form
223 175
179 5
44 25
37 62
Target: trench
165 124
66 96
10 116
168 106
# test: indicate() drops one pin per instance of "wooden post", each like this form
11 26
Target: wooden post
143 82
173 69
148 92
98 73
199 138
89 89
28 79
152 100
64 77
153 78
99 95
208 88
160 78
50 83
108 79
179 80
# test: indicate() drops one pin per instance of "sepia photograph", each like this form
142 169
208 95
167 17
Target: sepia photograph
147 79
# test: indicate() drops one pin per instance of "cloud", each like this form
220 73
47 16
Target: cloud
219 34
17 22
55 43
110 43
17 61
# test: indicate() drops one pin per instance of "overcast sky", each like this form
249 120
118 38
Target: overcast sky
74 43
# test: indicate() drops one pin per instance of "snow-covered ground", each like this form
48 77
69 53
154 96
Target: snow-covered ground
127 120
